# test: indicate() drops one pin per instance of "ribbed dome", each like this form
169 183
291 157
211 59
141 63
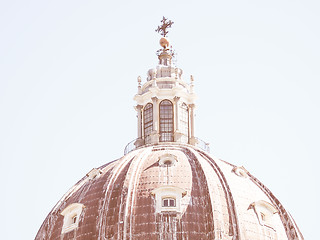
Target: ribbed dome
169 191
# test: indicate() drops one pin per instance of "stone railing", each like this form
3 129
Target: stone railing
199 143
203 145
130 147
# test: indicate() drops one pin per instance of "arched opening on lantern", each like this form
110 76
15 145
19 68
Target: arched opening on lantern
148 121
166 121
184 122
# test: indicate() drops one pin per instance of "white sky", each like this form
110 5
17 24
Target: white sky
68 73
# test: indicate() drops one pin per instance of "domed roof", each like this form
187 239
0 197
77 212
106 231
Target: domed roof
169 191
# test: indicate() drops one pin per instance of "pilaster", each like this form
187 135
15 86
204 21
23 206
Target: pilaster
177 133
155 133
139 142
176 113
192 139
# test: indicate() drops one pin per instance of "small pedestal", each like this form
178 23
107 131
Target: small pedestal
180 137
139 142
193 141
154 136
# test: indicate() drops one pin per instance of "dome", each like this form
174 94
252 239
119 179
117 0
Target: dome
210 199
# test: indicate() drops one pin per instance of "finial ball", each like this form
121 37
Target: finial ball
164 42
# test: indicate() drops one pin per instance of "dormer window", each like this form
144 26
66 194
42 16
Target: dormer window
168 202
168 198
71 217
264 212
94 173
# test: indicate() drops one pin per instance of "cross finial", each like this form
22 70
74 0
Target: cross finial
163 28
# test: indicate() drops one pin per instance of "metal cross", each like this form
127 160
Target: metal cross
163 28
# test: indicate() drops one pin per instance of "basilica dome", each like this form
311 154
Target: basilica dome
169 191
167 185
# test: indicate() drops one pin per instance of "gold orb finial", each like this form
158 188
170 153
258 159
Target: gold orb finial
164 42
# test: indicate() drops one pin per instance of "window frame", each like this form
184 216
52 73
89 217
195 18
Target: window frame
166 121
169 200
71 217
147 121
169 192
74 219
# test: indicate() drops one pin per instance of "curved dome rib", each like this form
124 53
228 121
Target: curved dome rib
200 183
233 220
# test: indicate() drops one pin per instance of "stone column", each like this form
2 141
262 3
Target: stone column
176 124
155 132
139 141
139 113
155 113
176 113
191 126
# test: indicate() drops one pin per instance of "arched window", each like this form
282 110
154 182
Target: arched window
148 121
166 121
184 122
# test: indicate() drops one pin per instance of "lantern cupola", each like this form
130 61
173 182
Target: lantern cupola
165 102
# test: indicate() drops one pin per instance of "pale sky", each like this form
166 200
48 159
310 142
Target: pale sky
68 74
